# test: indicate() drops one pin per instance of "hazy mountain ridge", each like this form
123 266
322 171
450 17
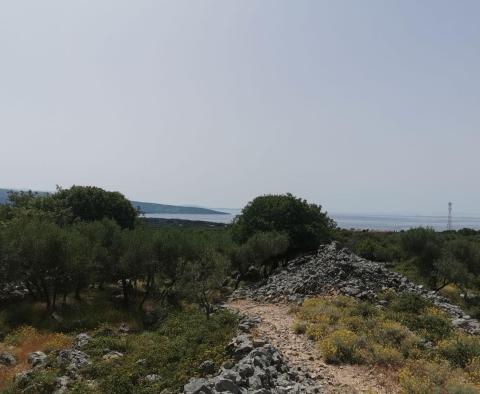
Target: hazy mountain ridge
145 207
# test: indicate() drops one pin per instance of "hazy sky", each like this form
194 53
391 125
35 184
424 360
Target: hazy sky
362 106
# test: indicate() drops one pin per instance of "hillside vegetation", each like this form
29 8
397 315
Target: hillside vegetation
95 301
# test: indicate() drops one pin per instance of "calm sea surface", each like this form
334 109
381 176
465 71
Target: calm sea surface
361 222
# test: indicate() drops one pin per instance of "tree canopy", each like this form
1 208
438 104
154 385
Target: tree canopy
90 203
304 223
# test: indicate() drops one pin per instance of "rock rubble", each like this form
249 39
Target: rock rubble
256 368
334 270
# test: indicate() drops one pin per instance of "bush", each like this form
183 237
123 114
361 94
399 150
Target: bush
461 350
473 370
409 303
304 223
339 347
392 333
433 325
422 377
386 355
180 344
39 382
299 327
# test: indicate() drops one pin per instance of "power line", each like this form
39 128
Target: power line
449 225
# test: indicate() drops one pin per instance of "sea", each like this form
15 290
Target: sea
354 221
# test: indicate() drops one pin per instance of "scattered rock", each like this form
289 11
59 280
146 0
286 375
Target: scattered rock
37 359
207 368
73 359
61 384
197 386
152 378
7 359
11 292
112 355
81 340
23 377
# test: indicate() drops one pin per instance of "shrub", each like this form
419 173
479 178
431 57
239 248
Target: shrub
392 333
339 347
409 303
386 355
461 350
423 377
19 335
473 370
433 325
299 327
39 382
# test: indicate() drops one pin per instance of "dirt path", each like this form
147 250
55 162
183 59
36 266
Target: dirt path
275 326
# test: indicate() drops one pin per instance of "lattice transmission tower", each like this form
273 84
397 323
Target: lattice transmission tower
449 224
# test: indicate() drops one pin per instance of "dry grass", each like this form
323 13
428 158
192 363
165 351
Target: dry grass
25 340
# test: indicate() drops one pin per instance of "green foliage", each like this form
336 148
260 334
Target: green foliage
39 382
419 315
460 350
423 245
91 203
174 351
409 303
260 251
94 309
305 224
375 246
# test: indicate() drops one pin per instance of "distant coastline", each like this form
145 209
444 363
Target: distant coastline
372 222
143 207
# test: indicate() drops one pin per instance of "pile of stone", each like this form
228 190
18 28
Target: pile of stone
10 292
71 360
334 270
256 367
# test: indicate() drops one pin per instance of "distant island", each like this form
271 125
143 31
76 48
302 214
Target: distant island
144 207
151 207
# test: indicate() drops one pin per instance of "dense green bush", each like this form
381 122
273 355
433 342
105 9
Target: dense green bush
304 223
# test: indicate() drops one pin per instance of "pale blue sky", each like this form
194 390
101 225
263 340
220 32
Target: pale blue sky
362 106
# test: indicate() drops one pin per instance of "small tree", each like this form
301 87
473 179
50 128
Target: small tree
260 251
205 275
37 254
305 224
135 258
422 244
448 269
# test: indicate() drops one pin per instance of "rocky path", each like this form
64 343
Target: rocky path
276 327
